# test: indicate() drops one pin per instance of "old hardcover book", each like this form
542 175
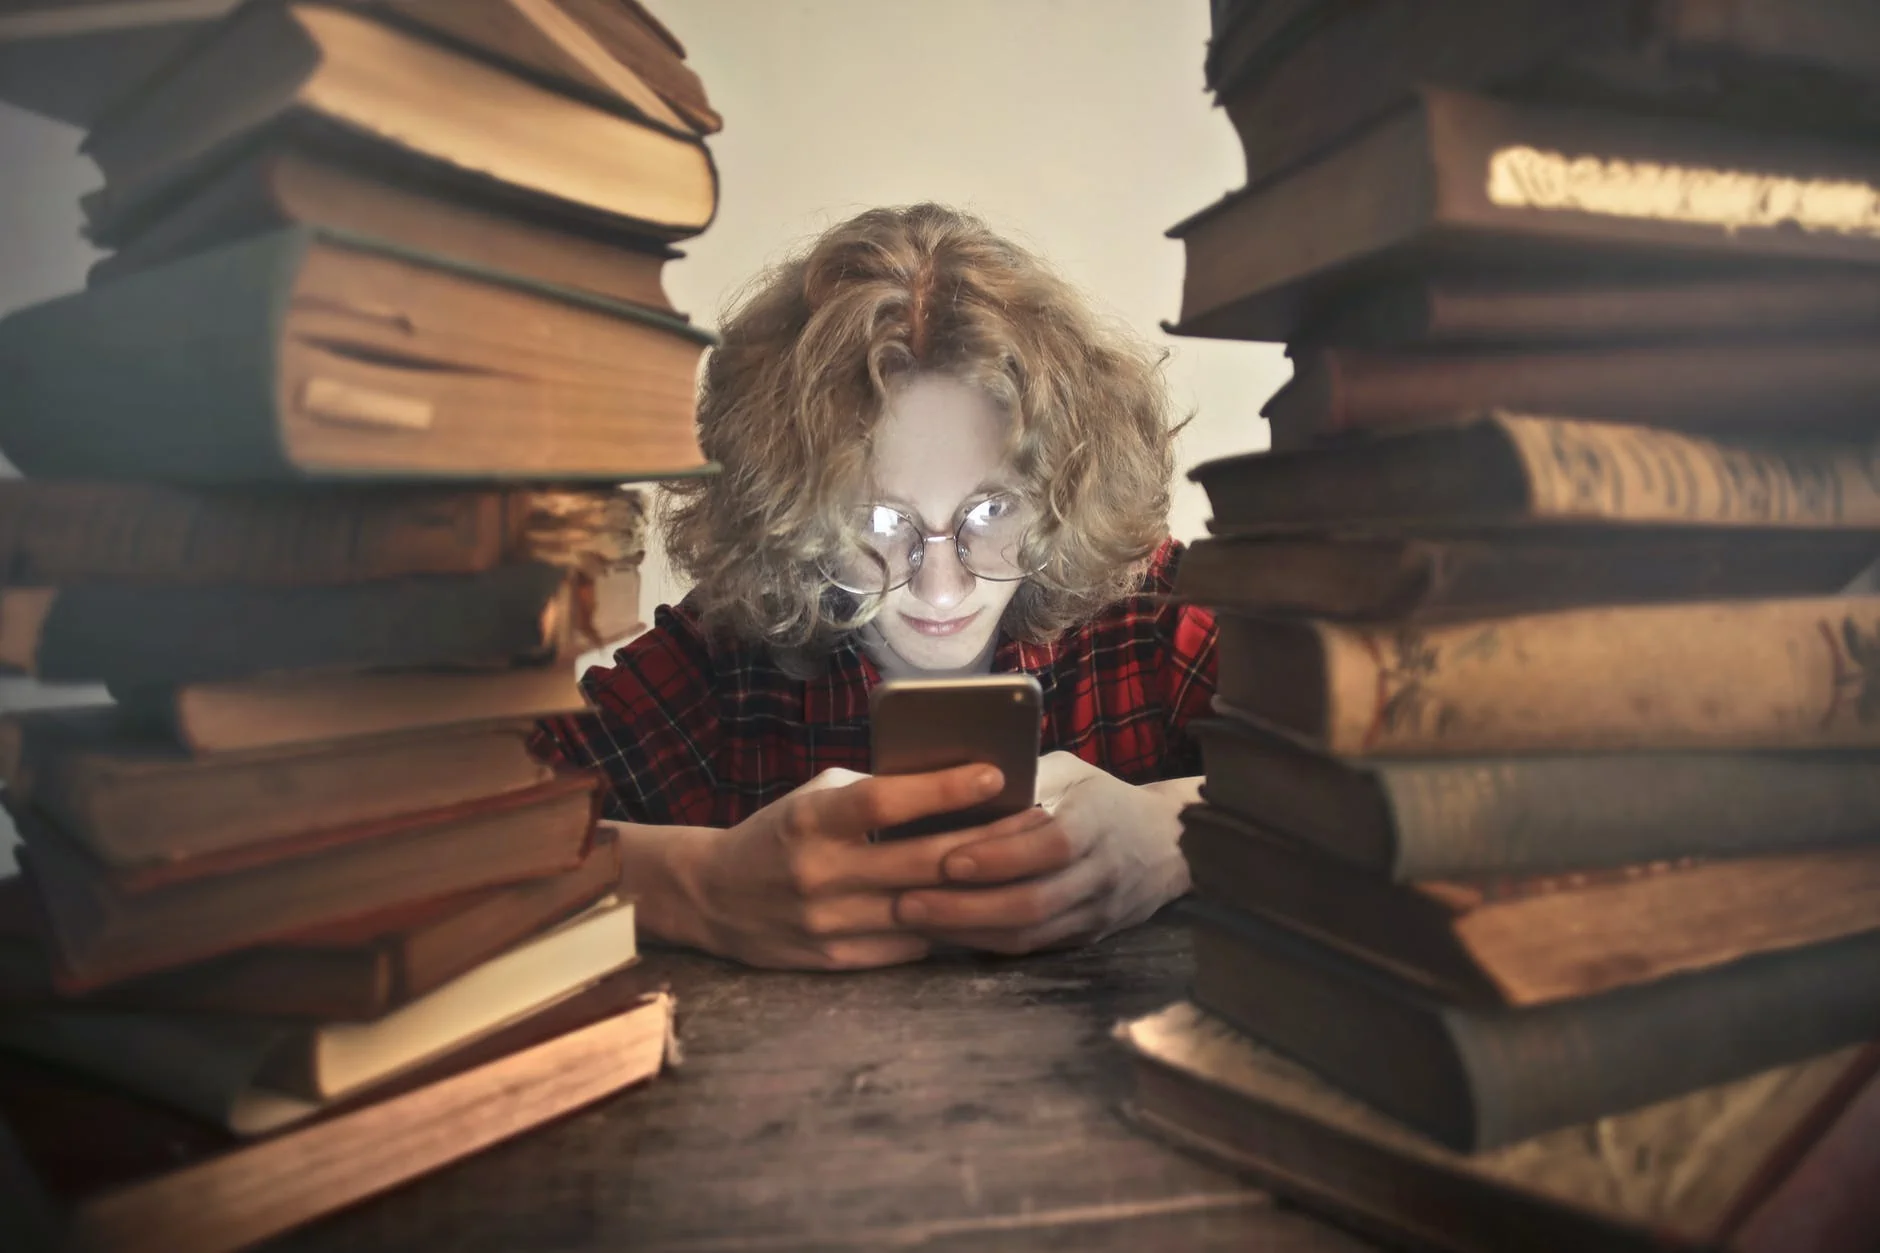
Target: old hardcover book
1525 940
297 181
1778 1162
86 1167
309 356
287 65
556 43
1298 79
54 533
1431 818
70 61
1477 1078
1478 180
131 797
1538 310
253 1075
121 634
277 710
1706 675
1367 576
1512 469
108 925
347 972
1772 385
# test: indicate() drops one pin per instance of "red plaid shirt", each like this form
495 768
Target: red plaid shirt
696 731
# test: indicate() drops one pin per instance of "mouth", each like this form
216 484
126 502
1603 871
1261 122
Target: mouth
929 627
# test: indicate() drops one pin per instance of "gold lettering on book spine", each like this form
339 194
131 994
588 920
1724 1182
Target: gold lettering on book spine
1610 472
1523 177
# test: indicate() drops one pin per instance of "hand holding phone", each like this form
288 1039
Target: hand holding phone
921 725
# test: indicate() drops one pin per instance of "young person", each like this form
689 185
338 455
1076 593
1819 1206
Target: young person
935 461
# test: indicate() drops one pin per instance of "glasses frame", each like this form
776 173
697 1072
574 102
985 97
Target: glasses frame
917 556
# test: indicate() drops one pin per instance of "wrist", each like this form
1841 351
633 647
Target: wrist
663 869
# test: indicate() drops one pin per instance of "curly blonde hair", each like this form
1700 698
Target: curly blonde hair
805 367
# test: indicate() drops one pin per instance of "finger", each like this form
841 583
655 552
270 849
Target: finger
856 952
1008 906
830 917
879 801
911 863
1072 927
1041 849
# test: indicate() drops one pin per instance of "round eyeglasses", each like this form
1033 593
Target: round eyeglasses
884 547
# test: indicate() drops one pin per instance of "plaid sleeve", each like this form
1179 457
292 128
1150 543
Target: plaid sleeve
653 731
1189 636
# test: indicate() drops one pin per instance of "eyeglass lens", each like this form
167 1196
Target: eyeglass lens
990 540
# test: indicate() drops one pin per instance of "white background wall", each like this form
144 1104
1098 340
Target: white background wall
1078 127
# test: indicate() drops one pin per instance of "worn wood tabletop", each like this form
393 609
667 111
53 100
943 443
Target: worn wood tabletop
965 1103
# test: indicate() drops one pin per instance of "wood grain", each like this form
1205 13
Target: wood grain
964 1103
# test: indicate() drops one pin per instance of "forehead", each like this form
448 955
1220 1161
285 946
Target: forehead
938 440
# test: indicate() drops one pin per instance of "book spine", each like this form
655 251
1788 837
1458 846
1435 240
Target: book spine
1640 474
60 533
127 635
1541 814
106 383
1755 674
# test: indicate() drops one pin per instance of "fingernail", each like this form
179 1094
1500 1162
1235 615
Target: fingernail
961 867
911 909
987 780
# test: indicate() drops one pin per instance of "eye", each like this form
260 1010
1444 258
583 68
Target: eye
992 509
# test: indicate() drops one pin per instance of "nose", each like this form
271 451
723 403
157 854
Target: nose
941 581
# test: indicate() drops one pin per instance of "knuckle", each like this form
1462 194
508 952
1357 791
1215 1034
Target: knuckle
804 871
819 918
798 819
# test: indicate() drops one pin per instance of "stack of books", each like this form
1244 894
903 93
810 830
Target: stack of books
324 483
1538 869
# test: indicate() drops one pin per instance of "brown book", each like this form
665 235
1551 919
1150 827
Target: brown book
1537 939
130 797
1408 819
348 972
1371 577
296 180
611 53
1705 675
63 533
1291 87
342 72
1780 1162
83 1166
1474 1077
122 634
1772 385
72 60
278 710
1511 469
1473 180
1535 310
256 1075
314 356
107 925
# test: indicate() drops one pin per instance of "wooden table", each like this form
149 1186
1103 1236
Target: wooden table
962 1104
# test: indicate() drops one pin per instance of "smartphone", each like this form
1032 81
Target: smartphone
918 725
